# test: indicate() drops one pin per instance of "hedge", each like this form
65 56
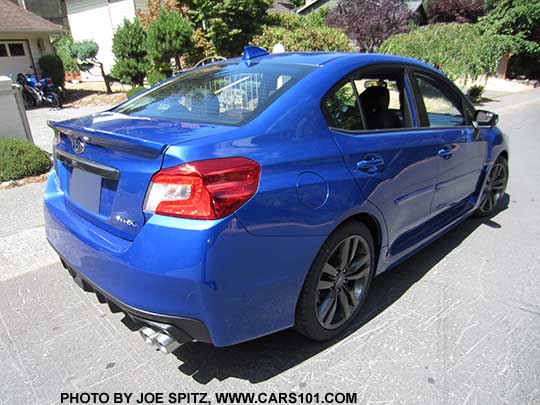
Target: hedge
19 159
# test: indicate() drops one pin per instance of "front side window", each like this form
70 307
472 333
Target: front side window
225 93
441 110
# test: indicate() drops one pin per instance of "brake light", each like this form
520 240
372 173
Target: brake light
49 80
206 189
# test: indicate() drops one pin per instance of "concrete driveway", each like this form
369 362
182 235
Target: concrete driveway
457 323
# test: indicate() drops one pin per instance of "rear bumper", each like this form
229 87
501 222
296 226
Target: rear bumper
181 329
195 276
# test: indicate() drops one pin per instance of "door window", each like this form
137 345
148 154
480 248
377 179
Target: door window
16 49
440 109
343 109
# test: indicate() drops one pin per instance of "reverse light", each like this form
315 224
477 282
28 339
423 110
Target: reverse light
206 189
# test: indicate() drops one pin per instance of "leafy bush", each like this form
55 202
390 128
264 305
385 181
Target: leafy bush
86 52
168 37
368 23
230 24
19 159
475 93
63 45
155 76
518 22
459 50
131 59
52 66
298 34
134 91
461 11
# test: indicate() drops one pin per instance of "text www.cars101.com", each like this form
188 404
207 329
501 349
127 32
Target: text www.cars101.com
204 398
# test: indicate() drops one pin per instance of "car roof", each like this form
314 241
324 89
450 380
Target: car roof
323 58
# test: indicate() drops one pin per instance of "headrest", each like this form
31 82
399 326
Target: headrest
375 98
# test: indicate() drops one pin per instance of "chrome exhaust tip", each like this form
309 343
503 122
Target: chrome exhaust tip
165 343
148 334
160 340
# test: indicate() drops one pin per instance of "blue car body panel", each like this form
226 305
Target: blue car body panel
241 275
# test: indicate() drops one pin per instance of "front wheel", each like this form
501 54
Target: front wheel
494 188
337 283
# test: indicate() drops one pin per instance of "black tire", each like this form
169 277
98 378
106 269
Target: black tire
54 100
494 189
28 100
309 309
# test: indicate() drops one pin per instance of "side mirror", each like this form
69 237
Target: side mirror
484 118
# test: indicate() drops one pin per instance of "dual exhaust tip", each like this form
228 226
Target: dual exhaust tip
159 339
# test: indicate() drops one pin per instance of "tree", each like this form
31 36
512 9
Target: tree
459 50
63 45
168 37
131 59
461 11
154 7
86 52
519 21
368 22
229 24
298 33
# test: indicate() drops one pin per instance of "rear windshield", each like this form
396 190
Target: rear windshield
230 93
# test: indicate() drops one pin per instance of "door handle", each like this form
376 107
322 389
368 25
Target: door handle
370 164
446 151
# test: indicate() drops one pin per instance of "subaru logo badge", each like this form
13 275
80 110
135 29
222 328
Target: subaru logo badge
77 145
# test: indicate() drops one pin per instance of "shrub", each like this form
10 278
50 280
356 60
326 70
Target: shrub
168 37
461 11
131 59
459 50
52 66
19 159
368 23
298 33
155 76
63 45
134 91
475 93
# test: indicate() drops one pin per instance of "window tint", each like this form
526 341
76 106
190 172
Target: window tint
225 93
441 110
3 50
343 109
16 49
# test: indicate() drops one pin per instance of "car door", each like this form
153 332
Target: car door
394 165
462 150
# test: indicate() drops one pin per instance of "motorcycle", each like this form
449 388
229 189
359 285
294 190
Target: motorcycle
36 91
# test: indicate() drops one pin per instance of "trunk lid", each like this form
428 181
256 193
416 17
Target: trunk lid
105 162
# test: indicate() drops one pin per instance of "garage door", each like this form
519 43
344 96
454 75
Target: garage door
15 58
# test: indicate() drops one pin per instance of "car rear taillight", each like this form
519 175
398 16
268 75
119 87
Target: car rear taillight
206 189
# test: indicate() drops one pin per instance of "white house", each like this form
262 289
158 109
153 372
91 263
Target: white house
24 38
98 20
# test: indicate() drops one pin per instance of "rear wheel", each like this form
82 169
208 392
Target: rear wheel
54 100
337 283
29 101
494 188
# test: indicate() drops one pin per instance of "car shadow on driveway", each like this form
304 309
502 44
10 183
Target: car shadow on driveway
261 359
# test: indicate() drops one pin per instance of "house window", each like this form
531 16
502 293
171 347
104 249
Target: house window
3 50
16 49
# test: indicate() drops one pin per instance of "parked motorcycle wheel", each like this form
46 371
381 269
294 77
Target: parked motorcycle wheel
29 101
54 100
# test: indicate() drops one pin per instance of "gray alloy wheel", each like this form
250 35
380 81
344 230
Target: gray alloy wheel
342 282
494 188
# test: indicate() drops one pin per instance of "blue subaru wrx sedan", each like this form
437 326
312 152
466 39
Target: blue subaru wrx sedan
265 192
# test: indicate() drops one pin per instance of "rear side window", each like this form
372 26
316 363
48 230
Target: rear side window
442 108
375 100
225 93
